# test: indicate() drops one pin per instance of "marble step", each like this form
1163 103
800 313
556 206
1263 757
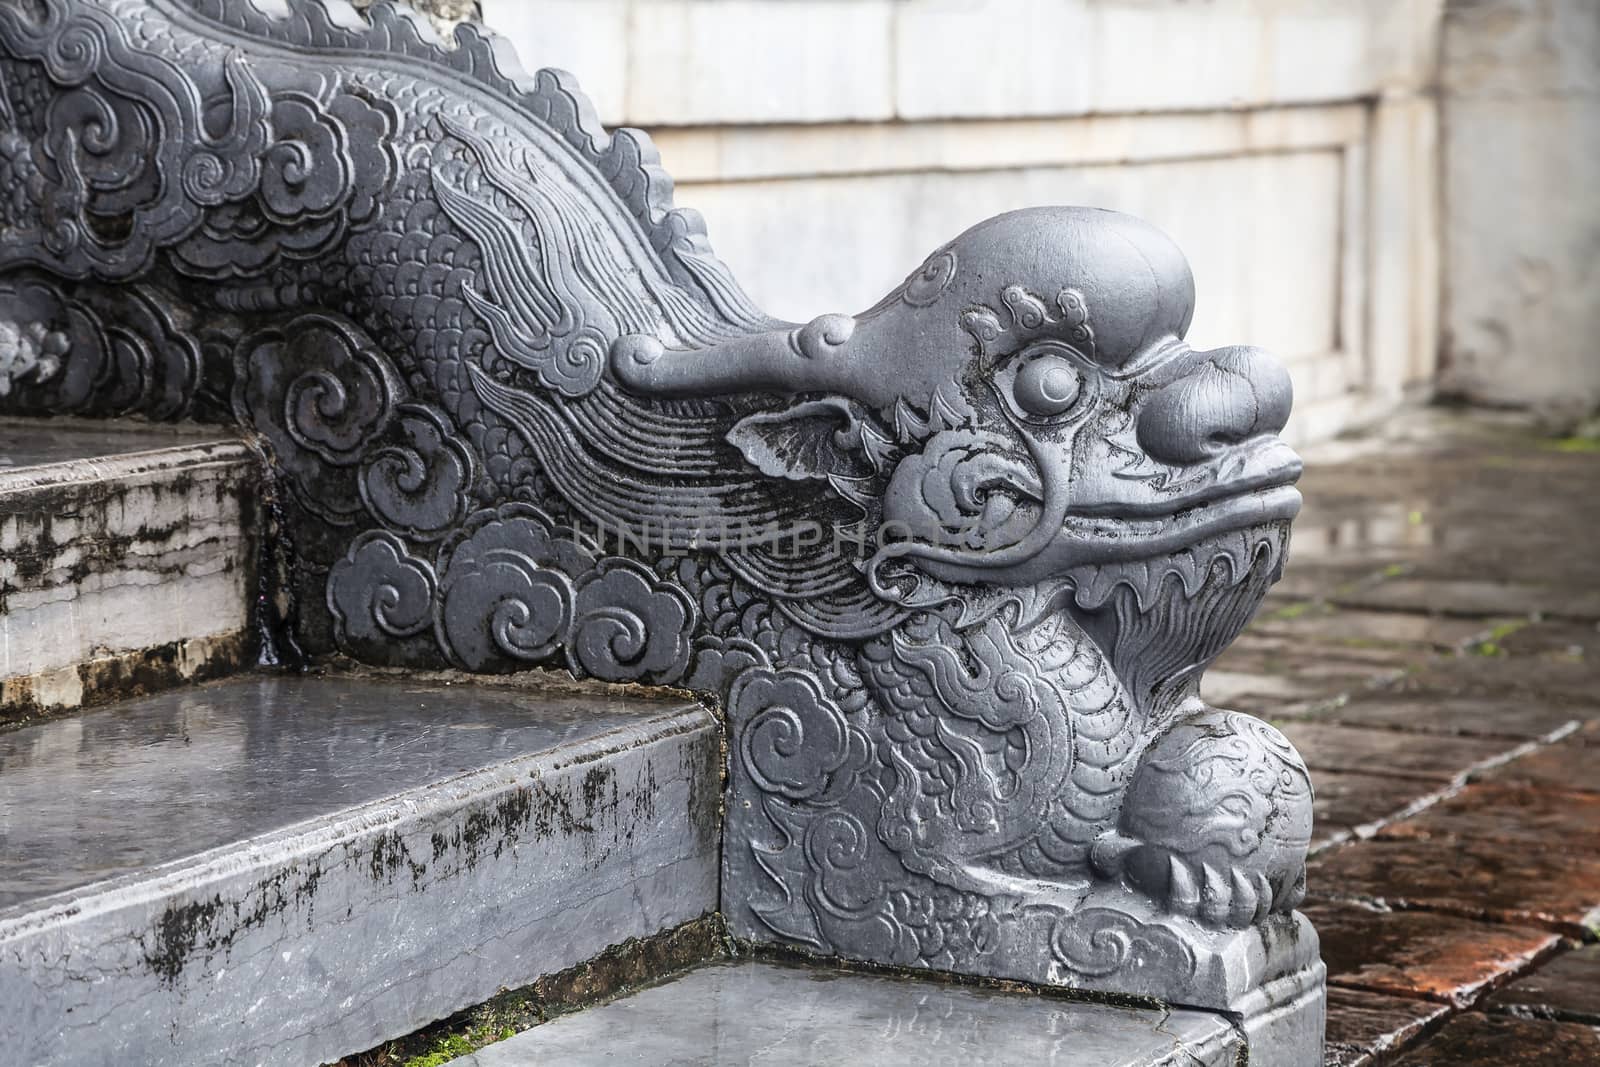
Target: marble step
754 1012
286 870
128 554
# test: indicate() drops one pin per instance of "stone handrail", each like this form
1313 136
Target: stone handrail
952 566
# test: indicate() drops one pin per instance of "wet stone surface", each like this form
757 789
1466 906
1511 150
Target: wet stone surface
1521 817
1434 652
235 759
1572 763
1567 989
1505 1041
1422 954
1348 802
1481 879
1364 1026
811 1017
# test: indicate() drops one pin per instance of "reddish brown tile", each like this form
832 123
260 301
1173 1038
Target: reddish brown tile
1502 1041
1567 988
1358 749
1422 954
1555 888
1518 815
1363 1027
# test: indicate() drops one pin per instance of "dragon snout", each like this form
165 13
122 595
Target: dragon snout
1228 396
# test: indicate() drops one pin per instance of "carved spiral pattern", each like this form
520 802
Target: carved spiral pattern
923 288
419 482
380 590
630 625
793 740
577 367
1096 942
509 607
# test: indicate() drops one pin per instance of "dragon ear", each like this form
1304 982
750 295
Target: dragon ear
825 439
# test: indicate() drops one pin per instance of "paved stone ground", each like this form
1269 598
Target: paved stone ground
1434 652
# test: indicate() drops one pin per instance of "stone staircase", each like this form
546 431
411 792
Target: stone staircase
286 868
276 867
128 560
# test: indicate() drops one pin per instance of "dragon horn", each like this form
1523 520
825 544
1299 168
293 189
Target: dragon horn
818 356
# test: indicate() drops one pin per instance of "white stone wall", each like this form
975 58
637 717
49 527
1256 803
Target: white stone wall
1288 145
1521 121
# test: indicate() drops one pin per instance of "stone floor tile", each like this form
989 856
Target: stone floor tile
1503 1041
746 1013
1561 642
1363 1027
1566 988
1532 680
1422 954
1568 764
1517 815
1555 888
1571 763
1267 695
1356 632
1364 750
1450 714
1346 800
1471 597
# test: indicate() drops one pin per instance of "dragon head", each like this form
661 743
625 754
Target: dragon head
1024 415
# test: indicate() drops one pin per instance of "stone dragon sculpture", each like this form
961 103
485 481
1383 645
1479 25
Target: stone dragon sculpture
953 566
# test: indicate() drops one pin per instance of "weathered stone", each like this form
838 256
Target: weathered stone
127 560
1363 1027
740 1013
287 870
1365 750
1566 988
1474 1038
1478 879
1422 954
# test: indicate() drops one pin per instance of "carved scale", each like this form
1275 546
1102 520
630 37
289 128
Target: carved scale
953 566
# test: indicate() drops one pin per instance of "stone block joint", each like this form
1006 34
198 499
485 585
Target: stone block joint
953 564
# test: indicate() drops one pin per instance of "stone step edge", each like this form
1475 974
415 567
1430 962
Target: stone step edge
123 466
372 948
118 676
312 836
101 675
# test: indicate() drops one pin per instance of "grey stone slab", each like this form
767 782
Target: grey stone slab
765 1013
292 870
240 758
33 442
114 544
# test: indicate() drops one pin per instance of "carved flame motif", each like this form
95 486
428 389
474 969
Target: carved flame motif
953 565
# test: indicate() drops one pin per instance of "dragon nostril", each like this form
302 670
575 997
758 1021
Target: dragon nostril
1232 395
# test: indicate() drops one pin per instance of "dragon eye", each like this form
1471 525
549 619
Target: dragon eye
1046 385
